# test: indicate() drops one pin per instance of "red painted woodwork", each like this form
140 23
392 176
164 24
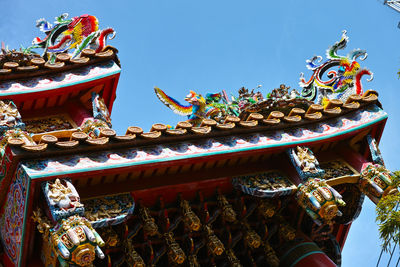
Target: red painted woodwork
316 260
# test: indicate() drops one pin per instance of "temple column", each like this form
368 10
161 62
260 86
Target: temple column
302 253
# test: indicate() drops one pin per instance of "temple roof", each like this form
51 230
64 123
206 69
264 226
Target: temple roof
276 122
14 68
120 152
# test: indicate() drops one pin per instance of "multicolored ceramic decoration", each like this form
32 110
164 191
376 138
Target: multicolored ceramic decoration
246 98
196 111
11 126
283 93
49 124
9 116
337 168
375 152
15 136
94 127
342 82
74 34
72 241
217 106
267 184
76 242
225 107
319 200
376 182
305 162
62 198
100 110
109 210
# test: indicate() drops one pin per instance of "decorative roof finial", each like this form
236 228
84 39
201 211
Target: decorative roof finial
77 33
341 83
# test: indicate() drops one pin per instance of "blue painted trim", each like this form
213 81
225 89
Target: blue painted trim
63 85
362 126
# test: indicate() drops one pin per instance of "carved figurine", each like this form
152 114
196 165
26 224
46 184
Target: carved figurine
149 226
376 182
305 159
15 135
9 116
375 152
100 110
44 226
266 208
214 245
73 241
190 219
132 258
246 98
228 213
283 93
175 253
305 162
319 200
251 238
63 199
93 127
196 111
63 195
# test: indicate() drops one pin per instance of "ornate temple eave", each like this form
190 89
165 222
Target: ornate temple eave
39 67
54 89
152 152
138 138
54 81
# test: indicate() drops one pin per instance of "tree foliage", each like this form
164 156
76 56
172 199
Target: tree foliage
388 217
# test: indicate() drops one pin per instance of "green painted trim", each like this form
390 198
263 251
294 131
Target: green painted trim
306 255
25 217
33 176
63 85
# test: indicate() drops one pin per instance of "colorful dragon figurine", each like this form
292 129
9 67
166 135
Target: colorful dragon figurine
77 33
225 107
196 111
343 82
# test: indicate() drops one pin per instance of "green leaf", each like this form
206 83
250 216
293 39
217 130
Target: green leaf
388 217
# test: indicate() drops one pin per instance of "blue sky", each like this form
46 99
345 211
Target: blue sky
208 46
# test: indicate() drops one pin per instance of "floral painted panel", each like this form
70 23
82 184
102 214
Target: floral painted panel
12 219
